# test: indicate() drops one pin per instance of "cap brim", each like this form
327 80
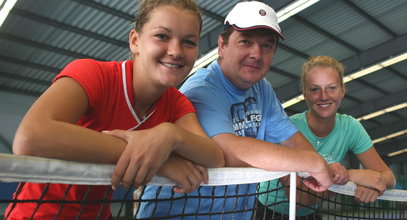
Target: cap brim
257 27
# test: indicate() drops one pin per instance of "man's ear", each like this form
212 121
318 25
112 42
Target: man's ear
134 39
221 46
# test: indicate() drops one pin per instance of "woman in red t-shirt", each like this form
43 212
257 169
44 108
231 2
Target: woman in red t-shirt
124 113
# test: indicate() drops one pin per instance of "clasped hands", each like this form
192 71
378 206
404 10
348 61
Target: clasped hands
150 152
369 183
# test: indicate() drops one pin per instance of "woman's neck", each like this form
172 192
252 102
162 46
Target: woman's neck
321 127
146 93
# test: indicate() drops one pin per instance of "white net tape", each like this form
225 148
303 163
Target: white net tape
15 168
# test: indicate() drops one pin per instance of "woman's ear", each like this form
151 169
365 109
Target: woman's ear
303 93
343 91
134 39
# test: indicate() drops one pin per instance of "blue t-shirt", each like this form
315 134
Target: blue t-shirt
348 135
223 108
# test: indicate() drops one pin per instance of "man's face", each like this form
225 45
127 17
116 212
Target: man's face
246 57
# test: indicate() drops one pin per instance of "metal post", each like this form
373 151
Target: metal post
293 191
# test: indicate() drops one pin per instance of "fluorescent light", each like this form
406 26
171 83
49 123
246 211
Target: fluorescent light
395 60
293 9
390 136
397 152
361 73
375 67
6 9
384 111
293 101
283 14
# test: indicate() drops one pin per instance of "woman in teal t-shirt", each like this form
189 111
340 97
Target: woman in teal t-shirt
332 135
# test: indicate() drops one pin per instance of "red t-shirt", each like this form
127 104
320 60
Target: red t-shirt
109 88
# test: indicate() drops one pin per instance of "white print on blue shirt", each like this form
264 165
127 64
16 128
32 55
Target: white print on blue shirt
246 117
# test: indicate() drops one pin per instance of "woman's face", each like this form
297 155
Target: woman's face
323 91
166 48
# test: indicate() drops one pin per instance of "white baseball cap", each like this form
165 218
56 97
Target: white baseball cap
251 15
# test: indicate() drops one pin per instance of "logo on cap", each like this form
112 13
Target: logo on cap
262 12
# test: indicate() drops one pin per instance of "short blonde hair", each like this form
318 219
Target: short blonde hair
325 61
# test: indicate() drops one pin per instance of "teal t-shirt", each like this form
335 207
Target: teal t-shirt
348 135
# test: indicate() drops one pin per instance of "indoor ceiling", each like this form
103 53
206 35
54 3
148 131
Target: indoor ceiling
40 37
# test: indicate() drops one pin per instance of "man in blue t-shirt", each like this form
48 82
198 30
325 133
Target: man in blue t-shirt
239 110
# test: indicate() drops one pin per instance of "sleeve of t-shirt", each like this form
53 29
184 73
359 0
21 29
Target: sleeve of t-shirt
89 74
212 112
180 105
279 127
361 139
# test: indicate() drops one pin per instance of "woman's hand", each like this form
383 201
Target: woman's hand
186 174
365 194
368 178
339 173
145 153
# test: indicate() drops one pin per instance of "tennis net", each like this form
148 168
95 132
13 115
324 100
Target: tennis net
232 193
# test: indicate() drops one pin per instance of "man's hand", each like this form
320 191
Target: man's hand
320 179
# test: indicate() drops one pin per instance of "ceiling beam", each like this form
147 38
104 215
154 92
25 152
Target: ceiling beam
276 5
375 88
284 73
384 130
370 85
364 108
212 15
26 63
376 54
293 51
325 33
42 46
107 9
357 101
385 148
25 79
19 91
370 18
399 159
71 28
397 73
